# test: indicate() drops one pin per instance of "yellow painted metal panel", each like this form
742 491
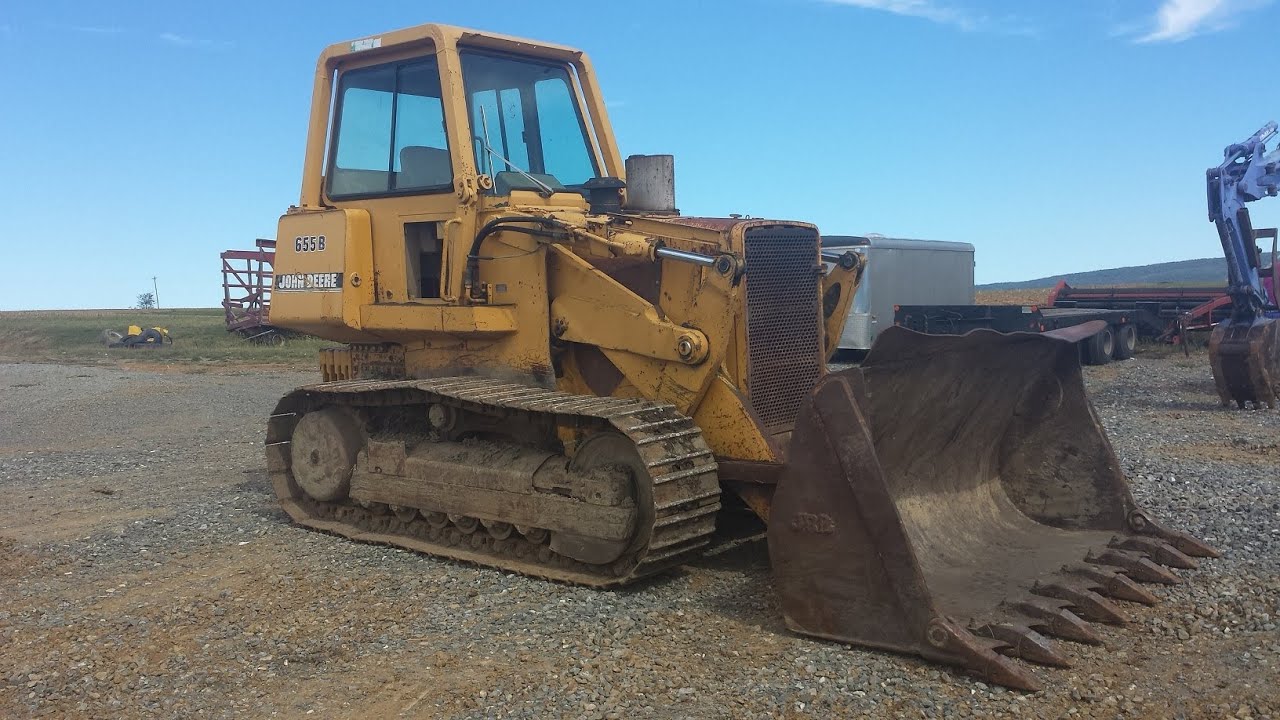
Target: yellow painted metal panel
422 318
725 419
323 272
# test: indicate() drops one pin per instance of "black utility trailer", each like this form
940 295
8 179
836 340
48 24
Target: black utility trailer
1114 342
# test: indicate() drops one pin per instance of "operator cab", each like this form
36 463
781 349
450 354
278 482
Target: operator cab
434 125
416 139
525 123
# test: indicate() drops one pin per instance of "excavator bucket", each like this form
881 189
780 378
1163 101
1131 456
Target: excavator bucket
956 497
1245 357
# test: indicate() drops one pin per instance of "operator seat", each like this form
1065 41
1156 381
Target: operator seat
422 166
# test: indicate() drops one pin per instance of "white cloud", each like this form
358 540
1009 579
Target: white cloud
176 39
944 14
179 40
926 9
1178 20
95 29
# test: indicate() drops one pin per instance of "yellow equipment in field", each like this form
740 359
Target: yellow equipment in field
549 370
135 336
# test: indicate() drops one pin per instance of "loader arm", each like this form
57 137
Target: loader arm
838 287
666 358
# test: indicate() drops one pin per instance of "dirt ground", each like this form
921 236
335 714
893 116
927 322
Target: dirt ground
145 571
1038 296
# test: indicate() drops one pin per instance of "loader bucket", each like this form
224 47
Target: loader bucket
955 497
1245 357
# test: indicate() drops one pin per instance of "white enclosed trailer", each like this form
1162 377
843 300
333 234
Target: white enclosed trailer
901 272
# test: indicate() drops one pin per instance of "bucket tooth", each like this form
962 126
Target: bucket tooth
975 654
1183 542
1159 551
1021 641
1191 545
1056 620
1084 602
1111 581
1135 565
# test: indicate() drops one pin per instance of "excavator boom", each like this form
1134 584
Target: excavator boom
1244 349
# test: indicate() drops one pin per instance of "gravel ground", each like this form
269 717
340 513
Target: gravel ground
146 572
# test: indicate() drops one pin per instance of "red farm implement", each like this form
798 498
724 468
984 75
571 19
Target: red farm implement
1159 312
1165 313
246 292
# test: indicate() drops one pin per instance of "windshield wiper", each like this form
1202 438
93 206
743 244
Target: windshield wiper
546 190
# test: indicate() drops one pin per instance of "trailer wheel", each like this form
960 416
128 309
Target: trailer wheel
1098 349
1126 342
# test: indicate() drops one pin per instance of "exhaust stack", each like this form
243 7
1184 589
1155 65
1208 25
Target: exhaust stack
651 184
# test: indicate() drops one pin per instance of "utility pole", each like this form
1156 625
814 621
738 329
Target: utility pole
156 287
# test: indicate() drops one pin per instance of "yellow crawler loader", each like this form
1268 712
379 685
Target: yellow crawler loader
547 369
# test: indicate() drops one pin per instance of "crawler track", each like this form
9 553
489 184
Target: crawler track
681 489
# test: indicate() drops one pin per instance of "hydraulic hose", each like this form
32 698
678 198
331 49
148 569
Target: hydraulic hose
505 222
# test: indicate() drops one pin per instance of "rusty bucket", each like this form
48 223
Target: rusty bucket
956 497
1245 357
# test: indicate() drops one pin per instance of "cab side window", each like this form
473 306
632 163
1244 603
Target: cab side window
390 135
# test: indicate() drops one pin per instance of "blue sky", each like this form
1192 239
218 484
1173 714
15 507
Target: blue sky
141 139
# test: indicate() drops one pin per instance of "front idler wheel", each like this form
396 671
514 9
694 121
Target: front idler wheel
324 449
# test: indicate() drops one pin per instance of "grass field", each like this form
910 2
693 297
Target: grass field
200 340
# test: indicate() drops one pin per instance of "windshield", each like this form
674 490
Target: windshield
524 113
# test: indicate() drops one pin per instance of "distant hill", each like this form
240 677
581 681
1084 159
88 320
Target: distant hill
1205 271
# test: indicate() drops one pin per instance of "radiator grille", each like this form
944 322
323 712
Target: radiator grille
784 321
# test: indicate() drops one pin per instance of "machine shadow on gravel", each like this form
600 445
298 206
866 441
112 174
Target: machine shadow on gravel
745 590
258 485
